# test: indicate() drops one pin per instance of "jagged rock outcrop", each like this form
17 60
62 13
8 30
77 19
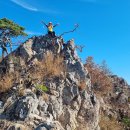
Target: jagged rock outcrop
67 101
67 105
115 105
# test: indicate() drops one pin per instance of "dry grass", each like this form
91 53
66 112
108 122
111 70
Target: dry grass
0 59
82 85
50 66
6 83
21 92
109 124
99 76
45 97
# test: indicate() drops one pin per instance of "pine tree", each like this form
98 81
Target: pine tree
12 28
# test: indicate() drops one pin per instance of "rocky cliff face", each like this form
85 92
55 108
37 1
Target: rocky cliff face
115 106
68 103
33 98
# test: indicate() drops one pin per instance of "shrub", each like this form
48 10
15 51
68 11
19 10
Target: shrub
42 87
126 121
50 66
6 83
99 75
109 124
21 92
53 65
82 84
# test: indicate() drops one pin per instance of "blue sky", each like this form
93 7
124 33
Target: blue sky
104 26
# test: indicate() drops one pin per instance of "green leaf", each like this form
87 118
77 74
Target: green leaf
42 88
126 121
13 28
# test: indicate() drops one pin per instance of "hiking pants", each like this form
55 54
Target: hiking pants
52 34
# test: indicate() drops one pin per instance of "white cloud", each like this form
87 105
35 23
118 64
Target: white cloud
25 5
31 8
32 33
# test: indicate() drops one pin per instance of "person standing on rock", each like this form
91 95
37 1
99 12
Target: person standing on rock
50 27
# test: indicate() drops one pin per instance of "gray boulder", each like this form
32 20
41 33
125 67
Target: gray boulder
24 107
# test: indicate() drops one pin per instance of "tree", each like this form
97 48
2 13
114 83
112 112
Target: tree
12 28
99 74
105 68
9 29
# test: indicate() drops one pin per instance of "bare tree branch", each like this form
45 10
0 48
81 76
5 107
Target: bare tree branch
76 26
79 47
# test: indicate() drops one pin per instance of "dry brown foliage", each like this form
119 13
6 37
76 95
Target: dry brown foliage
21 92
99 76
50 66
6 83
82 85
109 124
0 59
45 97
